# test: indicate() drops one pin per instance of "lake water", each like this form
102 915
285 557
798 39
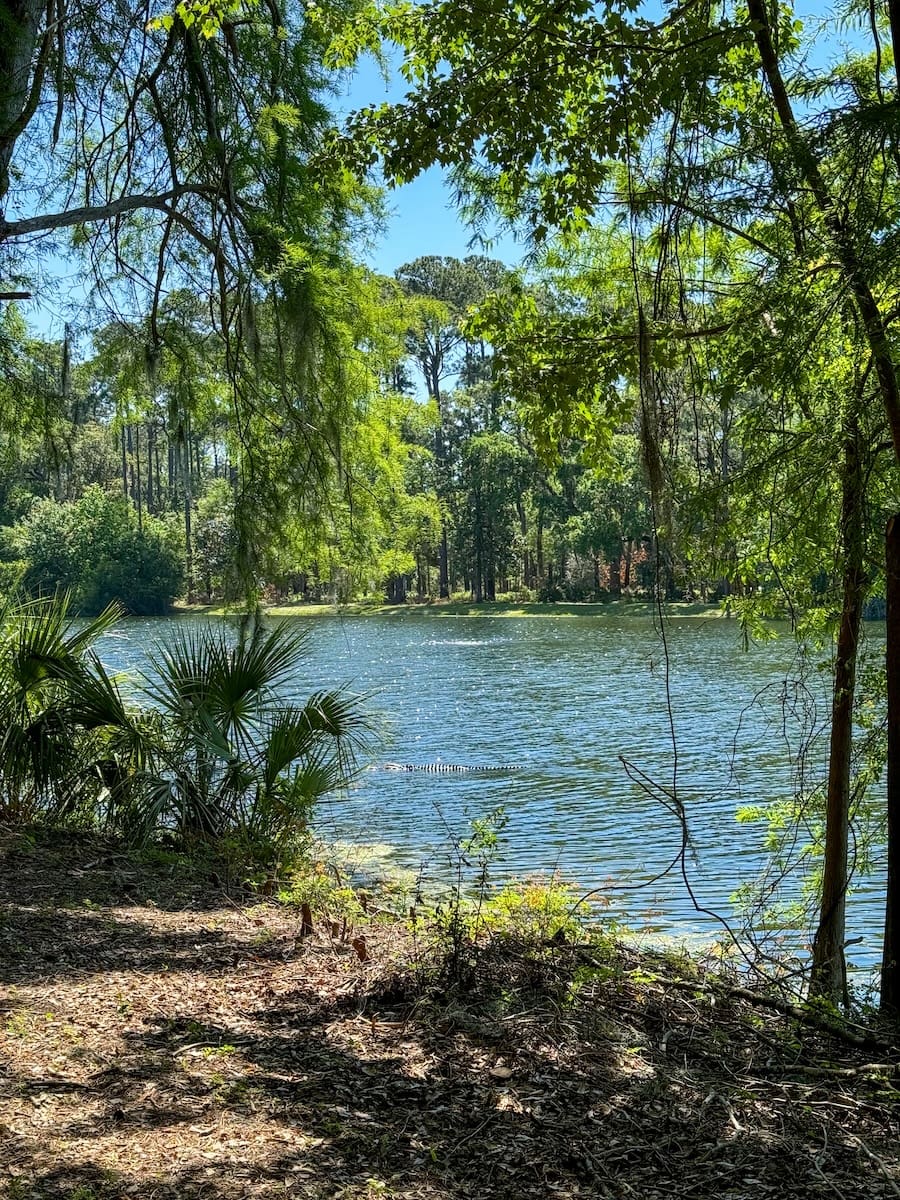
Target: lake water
565 700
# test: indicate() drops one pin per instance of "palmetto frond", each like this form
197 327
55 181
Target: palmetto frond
202 671
59 709
239 756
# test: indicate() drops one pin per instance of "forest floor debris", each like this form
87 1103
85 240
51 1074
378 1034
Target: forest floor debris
161 1038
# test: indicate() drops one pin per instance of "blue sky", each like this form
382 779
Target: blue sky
423 219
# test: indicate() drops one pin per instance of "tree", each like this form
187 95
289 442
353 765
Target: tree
444 289
547 117
198 123
176 146
94 549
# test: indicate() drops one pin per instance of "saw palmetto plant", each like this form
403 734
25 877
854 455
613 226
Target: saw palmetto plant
209 746
237 757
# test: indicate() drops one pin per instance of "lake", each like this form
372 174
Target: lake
566 699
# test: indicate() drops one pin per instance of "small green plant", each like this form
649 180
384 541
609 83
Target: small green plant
537 910
325 892
460 919
83 1192
19 1023
218 1051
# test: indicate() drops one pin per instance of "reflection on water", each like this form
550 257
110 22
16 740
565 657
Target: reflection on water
567 700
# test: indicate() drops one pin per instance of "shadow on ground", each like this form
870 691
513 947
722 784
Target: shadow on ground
191 1061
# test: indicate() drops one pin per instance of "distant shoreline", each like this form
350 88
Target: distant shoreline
466 608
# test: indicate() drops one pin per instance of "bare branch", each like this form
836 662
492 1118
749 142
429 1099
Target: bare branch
161 201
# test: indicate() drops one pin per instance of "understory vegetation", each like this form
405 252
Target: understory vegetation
204 748
164 1028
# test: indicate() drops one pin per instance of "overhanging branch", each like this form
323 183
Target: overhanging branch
89 214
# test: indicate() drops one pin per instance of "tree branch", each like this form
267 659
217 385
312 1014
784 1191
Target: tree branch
842 237
161 201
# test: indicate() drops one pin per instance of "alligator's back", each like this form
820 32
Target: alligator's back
441 768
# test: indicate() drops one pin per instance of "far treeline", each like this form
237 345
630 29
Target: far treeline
122 477
691 389
123 482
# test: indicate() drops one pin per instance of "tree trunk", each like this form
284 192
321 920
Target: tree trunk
138 486
129 442
396 589
477 547
890 967
523 532
159 500
444 563
855 271
188 542
151 445
20 22
846 251
829 971
615 577
490 567
440 454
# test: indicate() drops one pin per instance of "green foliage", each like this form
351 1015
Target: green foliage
68 740
534 911
11 574
234 757
216 542
330 898
216 756
94 549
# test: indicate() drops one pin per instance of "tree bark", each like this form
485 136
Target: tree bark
523 533
20 82
890 967
490 557
440 454
187 499
854 270
615 576
138 484
478 574
829 971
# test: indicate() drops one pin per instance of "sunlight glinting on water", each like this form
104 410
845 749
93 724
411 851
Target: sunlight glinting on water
565 700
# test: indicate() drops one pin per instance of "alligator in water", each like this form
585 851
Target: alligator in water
441 767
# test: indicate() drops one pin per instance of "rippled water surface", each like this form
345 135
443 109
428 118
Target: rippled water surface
566 700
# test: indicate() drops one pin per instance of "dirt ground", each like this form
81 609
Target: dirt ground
162 1038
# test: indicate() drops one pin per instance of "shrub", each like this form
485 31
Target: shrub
237 760
68 743
215 757
94 550
11 574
